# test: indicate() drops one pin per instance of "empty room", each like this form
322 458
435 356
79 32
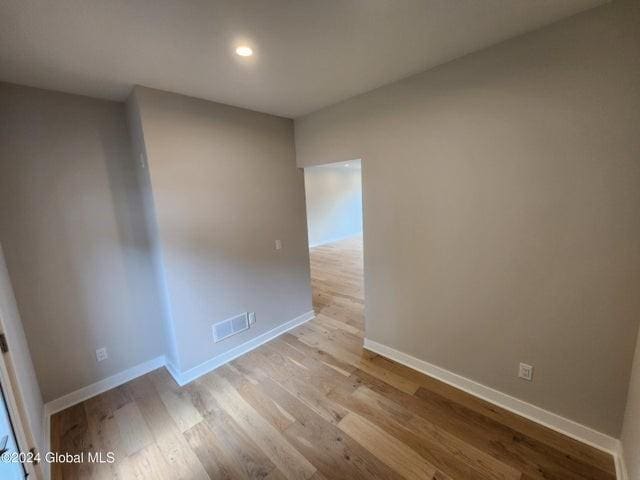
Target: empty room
314 240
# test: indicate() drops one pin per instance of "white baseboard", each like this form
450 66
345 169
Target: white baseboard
101 386
621 466
182 378
173 370
84 393
551 420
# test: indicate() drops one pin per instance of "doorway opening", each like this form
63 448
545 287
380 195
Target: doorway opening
11 457
335 231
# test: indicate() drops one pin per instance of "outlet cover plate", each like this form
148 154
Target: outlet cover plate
101 354
525 372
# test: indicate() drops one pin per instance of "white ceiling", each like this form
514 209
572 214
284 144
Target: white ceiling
308 53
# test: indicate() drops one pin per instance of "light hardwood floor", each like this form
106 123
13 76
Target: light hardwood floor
313 404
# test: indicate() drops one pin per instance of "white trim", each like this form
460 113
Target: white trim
84 393
621 466
172 369
551 420
46 418
182 378
20 415
46 466
18 422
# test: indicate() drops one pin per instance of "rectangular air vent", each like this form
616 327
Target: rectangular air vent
231 326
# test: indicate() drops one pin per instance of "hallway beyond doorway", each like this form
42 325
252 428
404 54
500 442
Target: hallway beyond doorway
337 280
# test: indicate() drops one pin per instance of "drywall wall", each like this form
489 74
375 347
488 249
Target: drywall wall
225 187
26 386
631 425
151 228
70 217
334 201
501 211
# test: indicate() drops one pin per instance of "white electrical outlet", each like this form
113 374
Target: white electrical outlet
526 372
278 244
252 318
101 354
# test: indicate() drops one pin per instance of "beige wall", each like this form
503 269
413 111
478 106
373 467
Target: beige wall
631 426
225 187
501 211
151 226
70 226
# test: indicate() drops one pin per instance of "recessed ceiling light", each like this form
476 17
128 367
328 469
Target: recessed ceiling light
244 51
346 164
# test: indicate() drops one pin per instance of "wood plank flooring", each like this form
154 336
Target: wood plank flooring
312 404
